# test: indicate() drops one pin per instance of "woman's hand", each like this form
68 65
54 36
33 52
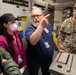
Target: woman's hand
23 68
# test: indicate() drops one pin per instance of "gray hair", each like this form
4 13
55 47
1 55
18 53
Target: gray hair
34 7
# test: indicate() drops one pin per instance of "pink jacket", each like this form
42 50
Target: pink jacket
18 48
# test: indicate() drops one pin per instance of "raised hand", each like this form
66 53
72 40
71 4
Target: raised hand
44 22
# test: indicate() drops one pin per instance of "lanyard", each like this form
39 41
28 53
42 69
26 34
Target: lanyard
19 57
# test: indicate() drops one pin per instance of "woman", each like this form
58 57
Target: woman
10 39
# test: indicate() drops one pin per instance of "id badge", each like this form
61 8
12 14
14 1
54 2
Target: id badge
47 45
20 59
46 30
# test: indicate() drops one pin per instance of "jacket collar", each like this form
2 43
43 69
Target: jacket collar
11 35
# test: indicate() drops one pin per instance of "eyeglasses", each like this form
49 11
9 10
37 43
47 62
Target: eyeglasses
74 8
33 16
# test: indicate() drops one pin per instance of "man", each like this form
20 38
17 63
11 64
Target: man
67 34
40 46
7 65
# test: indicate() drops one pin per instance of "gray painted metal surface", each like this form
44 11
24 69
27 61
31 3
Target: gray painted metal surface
63 64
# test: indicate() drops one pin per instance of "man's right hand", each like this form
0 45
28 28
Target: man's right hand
62 48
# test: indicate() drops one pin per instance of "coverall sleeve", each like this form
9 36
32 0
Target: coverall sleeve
61 35
9 67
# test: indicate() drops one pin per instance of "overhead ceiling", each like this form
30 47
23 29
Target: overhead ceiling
61 3
64 0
